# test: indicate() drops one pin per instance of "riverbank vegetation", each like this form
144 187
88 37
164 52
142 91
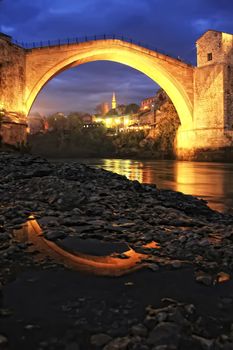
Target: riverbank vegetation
69 137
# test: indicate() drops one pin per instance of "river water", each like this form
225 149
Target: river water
210 181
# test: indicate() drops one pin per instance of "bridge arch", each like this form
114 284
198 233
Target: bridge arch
44 64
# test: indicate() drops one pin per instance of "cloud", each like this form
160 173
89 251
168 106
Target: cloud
7 29
172 26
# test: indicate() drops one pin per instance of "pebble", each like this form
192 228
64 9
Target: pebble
72 346
139 330
99 340
165 333
204 279
118 344
3 342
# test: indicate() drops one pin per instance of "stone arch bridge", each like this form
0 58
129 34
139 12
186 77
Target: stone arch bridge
202 95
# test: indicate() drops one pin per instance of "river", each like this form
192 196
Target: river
210 181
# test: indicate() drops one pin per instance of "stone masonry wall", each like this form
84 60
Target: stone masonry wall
12 76
42 63
228 96
12 90
208 100
213 90
215 93
210 42
13 134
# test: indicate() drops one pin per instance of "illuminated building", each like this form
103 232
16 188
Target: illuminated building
86 118
114 104
147 103
110 122
104 108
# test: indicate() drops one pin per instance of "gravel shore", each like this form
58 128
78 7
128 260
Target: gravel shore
92 260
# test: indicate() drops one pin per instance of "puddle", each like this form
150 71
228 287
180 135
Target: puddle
90 255
91 246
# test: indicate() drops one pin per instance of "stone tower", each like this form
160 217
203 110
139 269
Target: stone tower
114 104
213 88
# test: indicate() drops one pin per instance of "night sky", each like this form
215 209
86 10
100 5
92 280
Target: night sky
170 25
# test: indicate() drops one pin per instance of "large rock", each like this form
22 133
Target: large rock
165 333
99 340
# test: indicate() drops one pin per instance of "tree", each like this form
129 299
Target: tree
74 121
121 109
166 129
112 112
132 108
57 121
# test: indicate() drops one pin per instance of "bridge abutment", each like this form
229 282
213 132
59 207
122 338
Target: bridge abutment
212 132
13 124
204 144
13 133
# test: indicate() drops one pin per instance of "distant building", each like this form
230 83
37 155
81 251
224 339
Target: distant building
150 109
147 103
117 122
104 108
86 118
148 118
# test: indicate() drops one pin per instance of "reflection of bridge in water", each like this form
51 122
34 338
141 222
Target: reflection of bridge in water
110 265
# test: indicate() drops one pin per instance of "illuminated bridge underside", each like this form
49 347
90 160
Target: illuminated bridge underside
172 75
196 92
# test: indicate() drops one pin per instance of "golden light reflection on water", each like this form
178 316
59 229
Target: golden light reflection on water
210 181
133 171
201 182
100 265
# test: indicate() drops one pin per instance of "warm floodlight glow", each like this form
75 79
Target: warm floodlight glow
165 73
112 50
109 265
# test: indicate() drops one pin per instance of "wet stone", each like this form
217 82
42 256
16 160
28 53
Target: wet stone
5 312
165 333
118 344
222 277
153 267
72 346
99 340
204 279
3 342
54 235
176 264
139 330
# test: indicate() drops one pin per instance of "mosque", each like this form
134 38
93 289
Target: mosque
111 117
114 119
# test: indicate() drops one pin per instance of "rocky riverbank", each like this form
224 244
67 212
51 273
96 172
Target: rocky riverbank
181 298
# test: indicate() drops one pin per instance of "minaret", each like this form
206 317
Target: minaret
114 101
